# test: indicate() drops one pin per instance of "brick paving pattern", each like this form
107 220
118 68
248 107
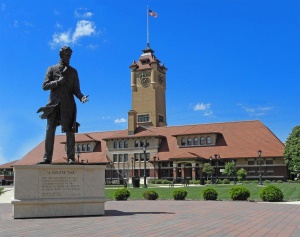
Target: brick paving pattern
165 218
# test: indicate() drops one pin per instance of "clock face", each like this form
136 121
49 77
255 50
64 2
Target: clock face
144 79
161 79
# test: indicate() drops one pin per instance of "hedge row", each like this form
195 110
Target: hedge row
270 193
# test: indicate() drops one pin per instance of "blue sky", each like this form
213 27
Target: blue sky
229 60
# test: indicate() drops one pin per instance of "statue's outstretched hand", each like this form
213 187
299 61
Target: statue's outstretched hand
84 99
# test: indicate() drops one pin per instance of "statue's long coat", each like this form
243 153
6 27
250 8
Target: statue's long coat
62 96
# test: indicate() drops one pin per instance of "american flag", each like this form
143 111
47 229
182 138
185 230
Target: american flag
152 13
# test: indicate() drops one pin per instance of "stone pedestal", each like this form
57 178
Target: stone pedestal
58 190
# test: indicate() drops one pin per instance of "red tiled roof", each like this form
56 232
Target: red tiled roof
84 137
8 165
235 140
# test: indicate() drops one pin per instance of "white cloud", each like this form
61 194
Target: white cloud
82 13
121 120
83 29
201 106
256 111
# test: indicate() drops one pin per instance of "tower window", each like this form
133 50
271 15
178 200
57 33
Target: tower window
145 61
143 118
160 118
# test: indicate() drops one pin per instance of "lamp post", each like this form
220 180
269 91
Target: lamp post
144 150
78 155
217 157
210 158
132 159
234 176
111 171
259 156
154 159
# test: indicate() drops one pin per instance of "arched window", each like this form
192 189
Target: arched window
202 141
183 142
195 140
83 147
126 144
120 144
208 140
189 141
142 143
88 148
115 144
136 143
78 147
147 142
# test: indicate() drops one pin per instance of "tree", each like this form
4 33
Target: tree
208 169
230 169
292 151
241 173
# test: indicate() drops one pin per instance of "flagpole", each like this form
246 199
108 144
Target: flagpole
148 35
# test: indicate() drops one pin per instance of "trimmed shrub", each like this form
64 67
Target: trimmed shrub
255 181
196 181
150 195
226 181
122 194
158 181
267 181
164 181
271 193
207 182
239 193
291 181
179 194
209 194
152 181
279 181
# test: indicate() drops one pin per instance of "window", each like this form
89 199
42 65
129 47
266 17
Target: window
143 118
208 140
115 158
269 162
141 156
136 143
126 144
136 156
120 144
142 143
83 147
147 172
261 162
88 148
78 147
125 157
189 141
202 141
147 142
115 144
120 158
195 140
160 118
147 156
251 162
183 142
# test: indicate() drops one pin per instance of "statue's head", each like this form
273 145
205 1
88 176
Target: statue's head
65 54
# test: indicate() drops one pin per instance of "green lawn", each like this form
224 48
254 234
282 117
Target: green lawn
291 191
1 191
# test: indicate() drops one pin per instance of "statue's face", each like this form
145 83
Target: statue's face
65 57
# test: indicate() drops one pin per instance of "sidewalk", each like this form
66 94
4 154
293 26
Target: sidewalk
164 218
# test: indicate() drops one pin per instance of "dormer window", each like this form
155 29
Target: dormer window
136 143
120 144
115 144
83 147
78 147
145 61
183 142
88 148
125 144
208 140
142 143
189 141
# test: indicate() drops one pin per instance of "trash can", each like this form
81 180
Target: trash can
136 182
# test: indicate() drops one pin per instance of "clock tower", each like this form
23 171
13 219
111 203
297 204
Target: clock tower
148 87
